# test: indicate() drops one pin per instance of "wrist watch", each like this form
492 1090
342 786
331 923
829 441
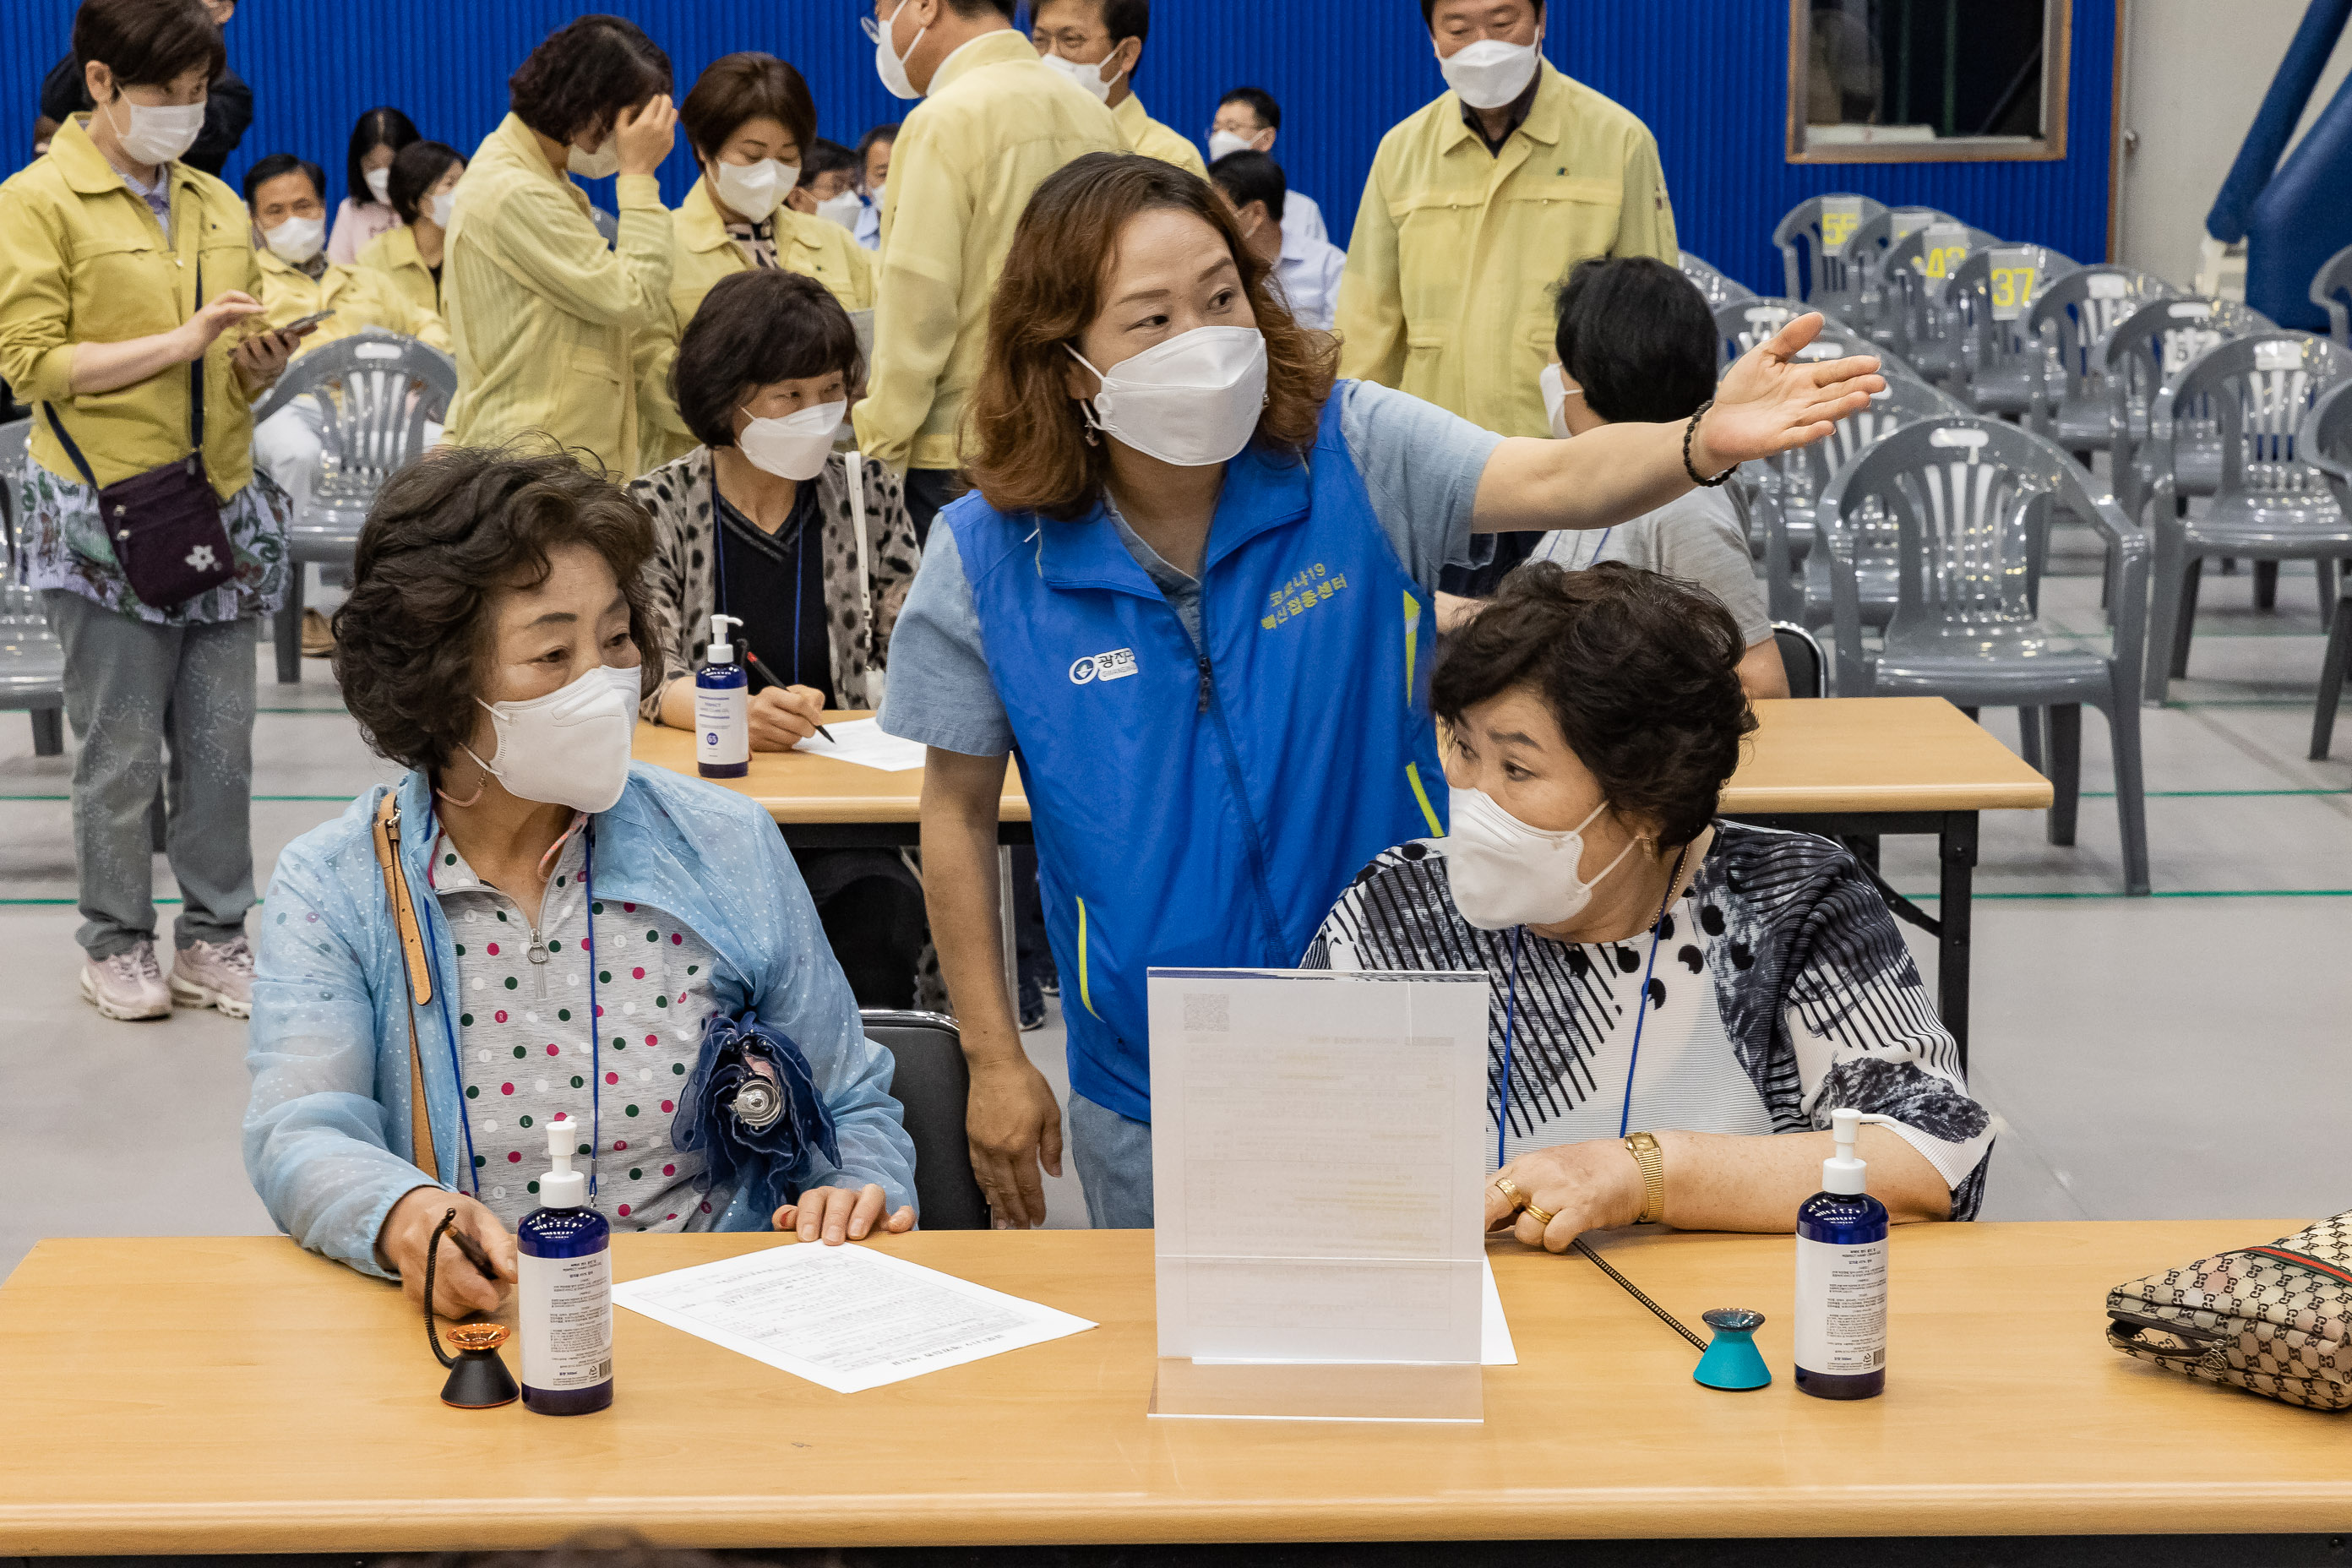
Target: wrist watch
1644 1148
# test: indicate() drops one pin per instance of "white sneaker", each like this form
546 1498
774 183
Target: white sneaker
214 974
127 986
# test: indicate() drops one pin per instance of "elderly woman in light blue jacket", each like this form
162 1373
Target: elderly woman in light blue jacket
527 929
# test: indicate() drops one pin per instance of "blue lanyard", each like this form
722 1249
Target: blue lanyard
596 1029
1641 1015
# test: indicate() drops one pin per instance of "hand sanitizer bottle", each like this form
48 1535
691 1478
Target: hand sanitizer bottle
565 1290
722 709
1842 1277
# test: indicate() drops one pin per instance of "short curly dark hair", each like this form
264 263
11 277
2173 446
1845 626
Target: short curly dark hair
445 537
585 74
1640 671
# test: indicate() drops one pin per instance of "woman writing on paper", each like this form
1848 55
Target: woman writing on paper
809 548
1678 1002
1192 589
592 940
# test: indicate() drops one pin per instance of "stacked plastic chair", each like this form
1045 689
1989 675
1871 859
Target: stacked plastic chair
2269 503
1866 253
2072 317
32 661
2001 361
1914 281
1970 503
2331 290
2327 445
2153 344
1813 240
1716 288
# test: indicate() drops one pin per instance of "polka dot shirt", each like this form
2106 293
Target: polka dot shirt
524 1036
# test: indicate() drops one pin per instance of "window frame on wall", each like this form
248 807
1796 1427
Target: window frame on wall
2057 60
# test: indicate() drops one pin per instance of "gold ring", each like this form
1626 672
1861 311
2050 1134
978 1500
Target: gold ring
1509 1189
1540 1216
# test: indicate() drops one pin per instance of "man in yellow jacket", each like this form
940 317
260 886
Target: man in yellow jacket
1477 206
283 192
1098 44
995 122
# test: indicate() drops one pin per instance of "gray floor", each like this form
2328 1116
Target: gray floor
2168 1057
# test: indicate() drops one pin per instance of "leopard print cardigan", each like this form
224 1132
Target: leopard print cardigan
683 585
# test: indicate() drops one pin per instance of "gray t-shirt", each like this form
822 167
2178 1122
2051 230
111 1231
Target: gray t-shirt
1700 538
1420 465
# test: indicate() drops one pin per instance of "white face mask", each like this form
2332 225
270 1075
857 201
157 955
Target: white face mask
601 164
157 134
442 209
1221 143
379 185
1089 77
297 239
570 747
1505 873
796 446
755 190
1556 393
1490 73
841 209
1192 401
889 65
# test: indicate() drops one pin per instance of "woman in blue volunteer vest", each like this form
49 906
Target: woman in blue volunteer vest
1191 591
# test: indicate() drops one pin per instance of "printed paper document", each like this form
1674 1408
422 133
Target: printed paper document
861 741
845 1317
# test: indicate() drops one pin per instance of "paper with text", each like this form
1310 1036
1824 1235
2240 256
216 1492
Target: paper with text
861 741
1317 1176
845 1317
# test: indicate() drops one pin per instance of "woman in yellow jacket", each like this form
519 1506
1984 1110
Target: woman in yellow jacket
546 320
750 120
424 194
122 272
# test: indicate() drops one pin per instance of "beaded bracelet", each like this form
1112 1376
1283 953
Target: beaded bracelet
1690 430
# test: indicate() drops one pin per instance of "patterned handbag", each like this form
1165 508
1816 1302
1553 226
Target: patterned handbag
2274 1319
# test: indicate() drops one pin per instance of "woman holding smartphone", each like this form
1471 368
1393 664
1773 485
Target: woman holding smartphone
128 319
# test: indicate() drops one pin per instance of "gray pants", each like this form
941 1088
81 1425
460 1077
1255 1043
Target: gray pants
1114 1160
132 686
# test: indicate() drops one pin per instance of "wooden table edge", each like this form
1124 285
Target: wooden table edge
1813 801
1893 1511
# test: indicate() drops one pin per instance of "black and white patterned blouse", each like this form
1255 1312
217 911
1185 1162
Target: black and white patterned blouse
1781 992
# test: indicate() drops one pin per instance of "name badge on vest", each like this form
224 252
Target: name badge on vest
1115 665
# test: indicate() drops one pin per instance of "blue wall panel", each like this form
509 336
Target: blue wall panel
1709 77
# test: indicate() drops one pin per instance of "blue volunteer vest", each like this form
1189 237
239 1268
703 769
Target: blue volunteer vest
1204 812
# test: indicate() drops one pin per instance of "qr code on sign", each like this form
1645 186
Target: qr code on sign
1204 1014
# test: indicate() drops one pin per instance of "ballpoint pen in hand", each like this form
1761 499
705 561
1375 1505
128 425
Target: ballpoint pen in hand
762 679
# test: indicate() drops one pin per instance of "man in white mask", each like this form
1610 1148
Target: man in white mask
1098 44
1250 120
1505 180
290 223
996 121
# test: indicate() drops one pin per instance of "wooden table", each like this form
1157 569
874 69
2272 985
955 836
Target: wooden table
1863 766
239 1395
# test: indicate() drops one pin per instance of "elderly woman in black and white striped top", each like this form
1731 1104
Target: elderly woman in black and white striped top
1679 1002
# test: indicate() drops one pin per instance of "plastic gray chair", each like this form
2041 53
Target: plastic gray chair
32 661
1866 250
2073 317
1817 272
2154 342
378 392
1710 281
2269 503
1917 318
1971 500
2327 445
1796 578
932 1085
1744 323
2001 360
2331 287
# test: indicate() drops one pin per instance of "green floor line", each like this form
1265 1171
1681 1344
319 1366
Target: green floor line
2304 702
2206 794
274 799
67 902
2160 893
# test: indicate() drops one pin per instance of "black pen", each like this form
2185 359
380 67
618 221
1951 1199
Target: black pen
474 1253
761 681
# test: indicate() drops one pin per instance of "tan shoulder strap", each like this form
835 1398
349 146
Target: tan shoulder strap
420 978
